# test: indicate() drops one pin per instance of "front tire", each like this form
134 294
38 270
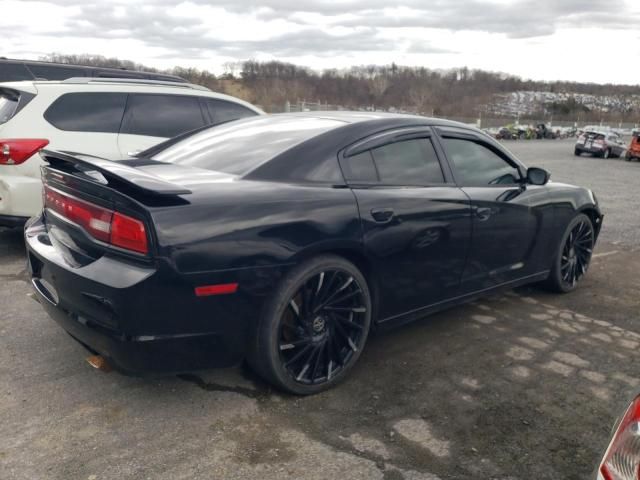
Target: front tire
573 255
606 153
314 329
576 152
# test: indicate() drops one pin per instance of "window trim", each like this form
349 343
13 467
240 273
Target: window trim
388 137
132 94
469 135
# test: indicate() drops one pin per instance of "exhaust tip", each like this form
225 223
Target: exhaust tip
99 362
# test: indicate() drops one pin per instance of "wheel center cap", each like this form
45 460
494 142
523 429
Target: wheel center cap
318 324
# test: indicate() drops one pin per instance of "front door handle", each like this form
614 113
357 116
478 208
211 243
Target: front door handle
382 215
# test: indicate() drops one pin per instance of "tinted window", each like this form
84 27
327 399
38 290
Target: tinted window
8 104
13 72
360 168
161 115
411 162
478 165
87 112
240 146
55 72
223 111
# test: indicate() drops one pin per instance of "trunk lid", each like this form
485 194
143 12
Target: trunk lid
94 207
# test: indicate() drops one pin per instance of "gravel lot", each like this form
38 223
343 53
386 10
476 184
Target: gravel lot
521 385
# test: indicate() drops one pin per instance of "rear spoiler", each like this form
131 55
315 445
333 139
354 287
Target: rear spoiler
101 170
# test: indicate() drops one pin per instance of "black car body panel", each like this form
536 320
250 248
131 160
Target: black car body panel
440 245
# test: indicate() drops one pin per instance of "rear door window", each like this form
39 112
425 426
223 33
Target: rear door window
223 111
164 116
409 162
87 112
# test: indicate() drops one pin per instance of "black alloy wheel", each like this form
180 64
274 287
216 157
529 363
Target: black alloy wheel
317 326
574 256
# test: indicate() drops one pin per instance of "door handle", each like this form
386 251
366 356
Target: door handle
382 215
483 214
133 153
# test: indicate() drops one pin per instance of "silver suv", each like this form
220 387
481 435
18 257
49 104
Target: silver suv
601 143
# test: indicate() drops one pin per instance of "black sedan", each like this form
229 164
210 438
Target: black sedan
285 239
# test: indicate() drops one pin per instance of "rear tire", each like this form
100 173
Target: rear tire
573 255
606 153
314 328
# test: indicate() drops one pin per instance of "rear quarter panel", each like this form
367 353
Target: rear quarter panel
247 224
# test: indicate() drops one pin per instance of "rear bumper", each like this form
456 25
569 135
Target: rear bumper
142 355
12 221
20 196
144 319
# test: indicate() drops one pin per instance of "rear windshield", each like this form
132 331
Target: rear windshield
240 146
596 135
8 104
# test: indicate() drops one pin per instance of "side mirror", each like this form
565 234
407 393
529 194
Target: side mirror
537 176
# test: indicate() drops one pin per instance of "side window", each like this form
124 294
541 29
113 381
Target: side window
12 72
360 168
410 162
477 165
87 112
223 111
161 115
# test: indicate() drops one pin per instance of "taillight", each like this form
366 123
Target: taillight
17 151
622 460
101 223
129 233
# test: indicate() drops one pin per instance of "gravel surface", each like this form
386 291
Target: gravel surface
615 182
518 386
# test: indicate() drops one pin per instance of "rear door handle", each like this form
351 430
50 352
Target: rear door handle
483 213
382 215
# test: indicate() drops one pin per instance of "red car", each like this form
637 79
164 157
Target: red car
633 152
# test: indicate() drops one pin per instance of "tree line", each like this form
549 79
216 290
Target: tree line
460 92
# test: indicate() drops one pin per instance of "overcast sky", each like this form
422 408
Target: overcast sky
582 40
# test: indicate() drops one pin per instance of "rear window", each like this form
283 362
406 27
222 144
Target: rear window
87 112
240 146
8 105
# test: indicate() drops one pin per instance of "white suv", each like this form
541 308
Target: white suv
109 118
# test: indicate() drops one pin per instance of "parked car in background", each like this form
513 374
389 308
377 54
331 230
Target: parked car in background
621 460
211 250
17 70
633 152
601 143
109 118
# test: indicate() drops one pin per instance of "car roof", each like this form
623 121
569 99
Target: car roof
394 119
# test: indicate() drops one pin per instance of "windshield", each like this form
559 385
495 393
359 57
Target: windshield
8 105
240 146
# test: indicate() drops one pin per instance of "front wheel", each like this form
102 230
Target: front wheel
576 152
607 153
314 328
573 255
